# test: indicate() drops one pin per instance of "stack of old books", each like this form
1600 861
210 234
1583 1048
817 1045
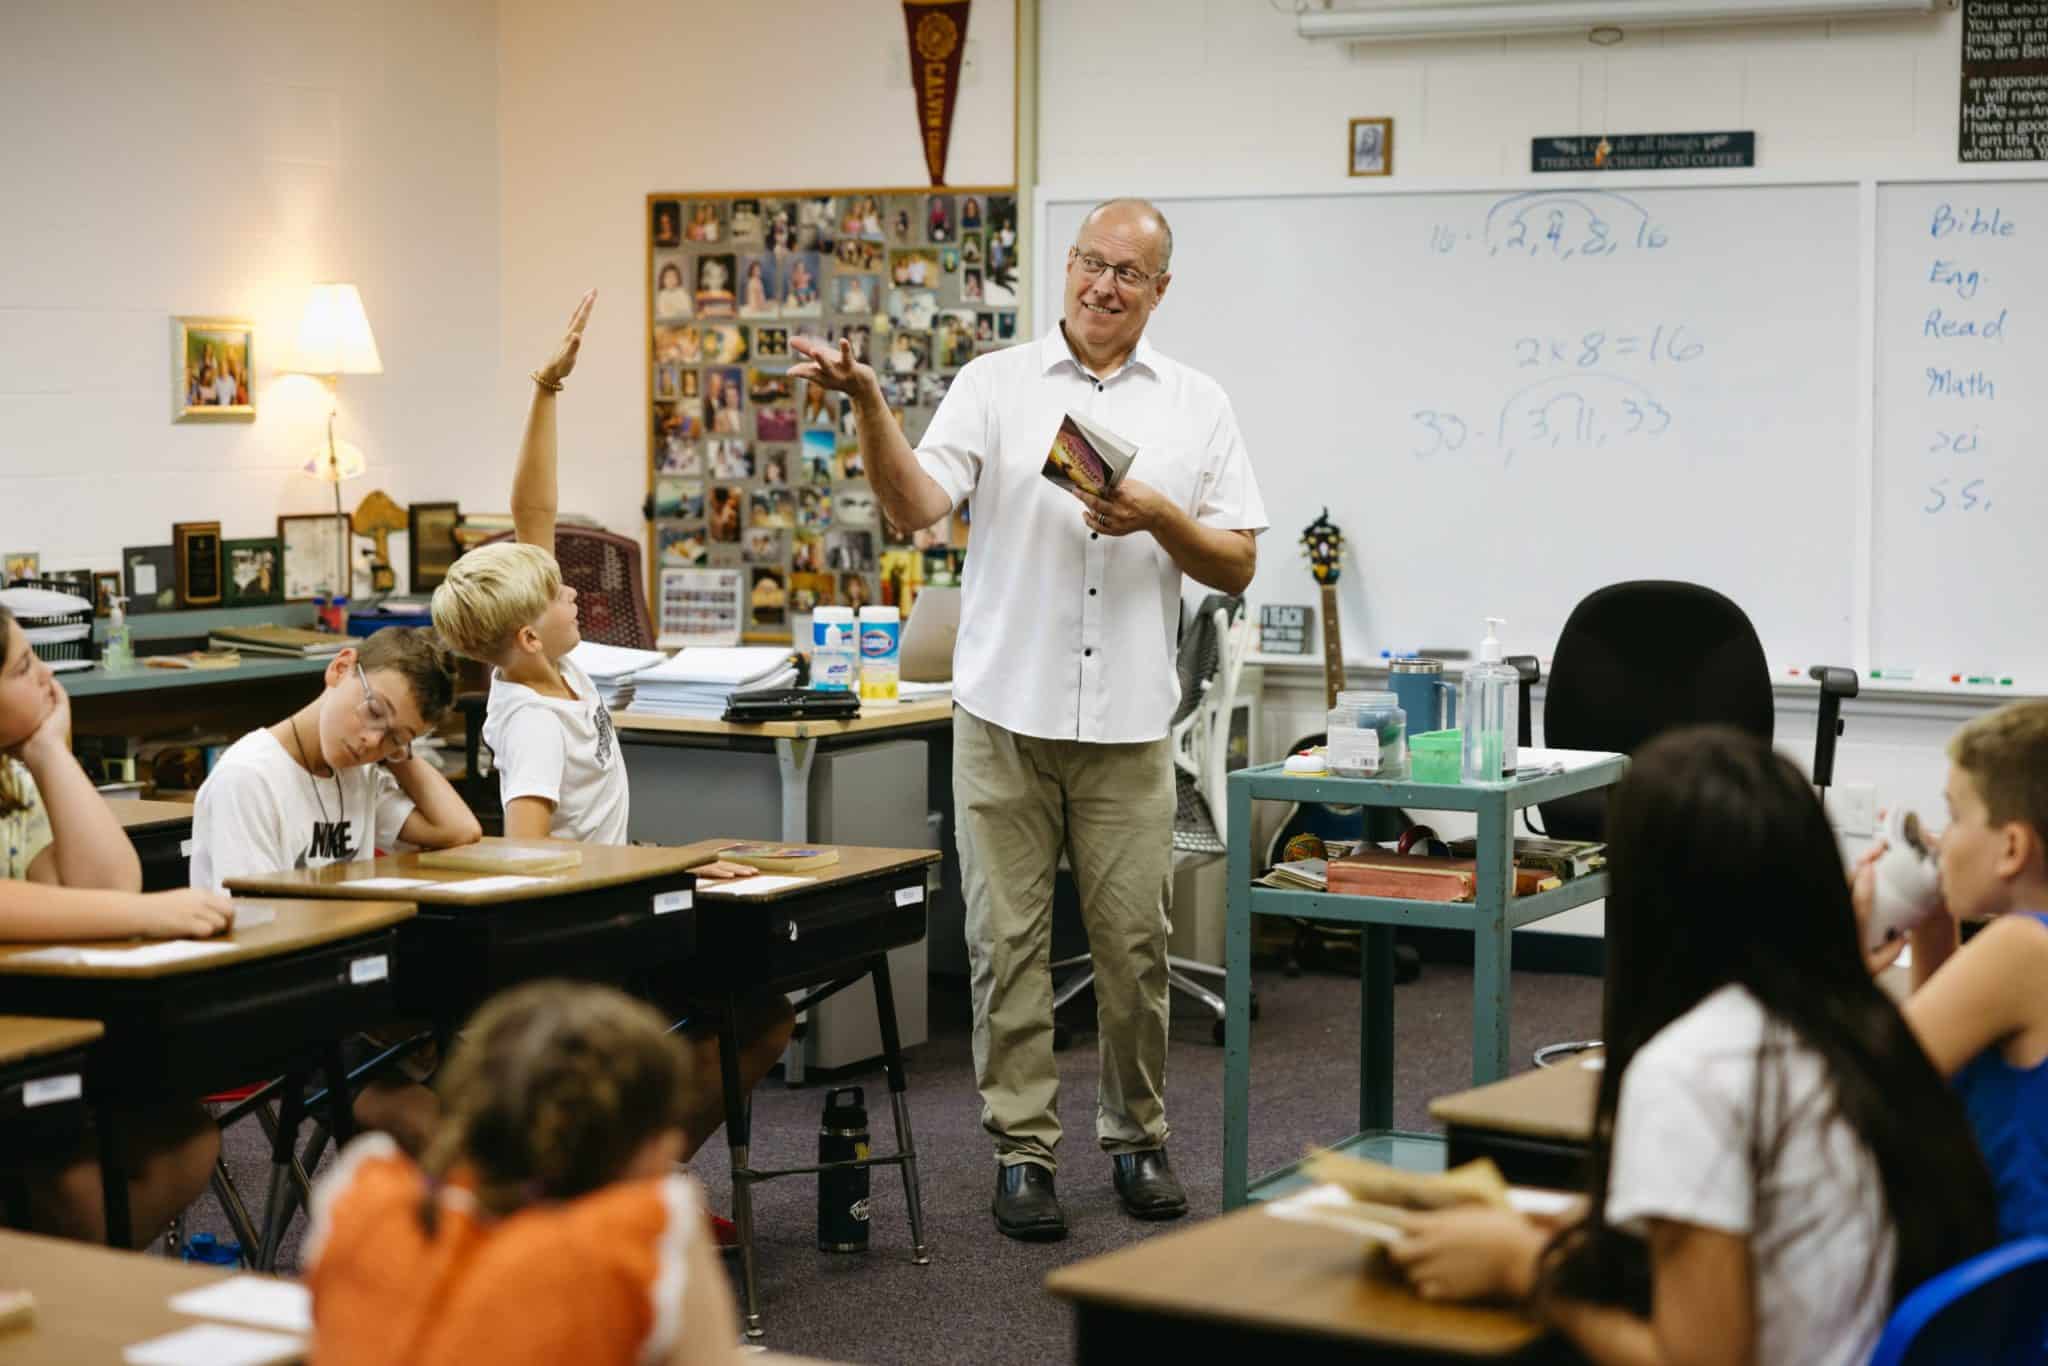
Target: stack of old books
289 642
1415 877
1565 858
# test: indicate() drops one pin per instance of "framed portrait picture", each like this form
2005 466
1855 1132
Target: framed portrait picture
251 572
19 564
309 547
106 586
1370 147
430 543
213 372
197 547
151 573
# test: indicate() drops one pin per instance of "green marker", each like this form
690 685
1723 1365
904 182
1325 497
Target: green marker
1898 675
1989 680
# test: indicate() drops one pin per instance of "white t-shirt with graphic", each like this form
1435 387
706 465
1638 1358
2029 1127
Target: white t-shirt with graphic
563 751
260 812
1819 1241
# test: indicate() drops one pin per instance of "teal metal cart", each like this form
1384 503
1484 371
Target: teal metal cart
1491 919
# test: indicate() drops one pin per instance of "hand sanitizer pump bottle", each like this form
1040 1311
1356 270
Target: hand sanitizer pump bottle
1487 710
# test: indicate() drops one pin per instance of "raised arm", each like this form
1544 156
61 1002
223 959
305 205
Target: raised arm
911 498
535 489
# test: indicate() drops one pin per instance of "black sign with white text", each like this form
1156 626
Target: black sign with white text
1643 152
2005 81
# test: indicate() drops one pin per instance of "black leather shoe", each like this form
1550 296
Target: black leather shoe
1147 1186
1026 1206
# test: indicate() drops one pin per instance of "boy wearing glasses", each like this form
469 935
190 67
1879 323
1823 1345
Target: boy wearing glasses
332 783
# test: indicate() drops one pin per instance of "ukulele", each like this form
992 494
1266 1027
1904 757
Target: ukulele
1323 546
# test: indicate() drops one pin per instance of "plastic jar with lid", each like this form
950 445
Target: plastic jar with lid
1368 735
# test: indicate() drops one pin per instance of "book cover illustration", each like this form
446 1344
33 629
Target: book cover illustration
1087 458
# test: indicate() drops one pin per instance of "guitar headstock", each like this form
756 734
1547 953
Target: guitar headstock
1323 544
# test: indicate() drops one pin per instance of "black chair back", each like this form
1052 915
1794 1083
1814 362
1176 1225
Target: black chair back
1637 659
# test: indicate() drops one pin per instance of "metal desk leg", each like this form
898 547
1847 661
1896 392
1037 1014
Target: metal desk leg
738 1136
277 1207
113 1178
794 757
892 1063
1376 1029
1492 942
1237 997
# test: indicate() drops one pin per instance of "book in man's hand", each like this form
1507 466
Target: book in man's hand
1085 457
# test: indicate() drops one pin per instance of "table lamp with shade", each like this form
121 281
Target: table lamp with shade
335 340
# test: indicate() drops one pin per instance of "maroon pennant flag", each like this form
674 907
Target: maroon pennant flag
938 36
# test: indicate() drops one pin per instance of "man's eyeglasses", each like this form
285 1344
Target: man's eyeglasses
376 714
1130 277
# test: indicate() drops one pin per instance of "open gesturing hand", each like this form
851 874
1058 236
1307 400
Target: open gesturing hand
833 367
557 369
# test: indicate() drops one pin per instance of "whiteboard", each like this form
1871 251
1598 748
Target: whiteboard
1961 469
1508 400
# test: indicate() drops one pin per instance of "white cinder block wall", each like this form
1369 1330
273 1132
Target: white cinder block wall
218 159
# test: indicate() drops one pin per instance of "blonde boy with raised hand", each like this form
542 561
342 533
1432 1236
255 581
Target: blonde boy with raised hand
333 782
560 772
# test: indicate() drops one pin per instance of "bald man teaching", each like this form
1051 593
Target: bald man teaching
1064 683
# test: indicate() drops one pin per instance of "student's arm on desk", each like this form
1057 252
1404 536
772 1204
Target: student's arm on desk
88 847
535 492
1702 1309
34 911
440 819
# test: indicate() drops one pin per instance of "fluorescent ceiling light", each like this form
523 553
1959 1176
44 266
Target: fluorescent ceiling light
1464 18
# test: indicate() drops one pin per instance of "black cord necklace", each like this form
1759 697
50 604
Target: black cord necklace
339 800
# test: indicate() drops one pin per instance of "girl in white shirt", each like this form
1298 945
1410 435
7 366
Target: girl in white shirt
1767 1129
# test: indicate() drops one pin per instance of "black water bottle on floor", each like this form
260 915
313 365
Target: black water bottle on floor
843 1195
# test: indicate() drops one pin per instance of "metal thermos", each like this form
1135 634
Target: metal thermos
843 1204
1431 703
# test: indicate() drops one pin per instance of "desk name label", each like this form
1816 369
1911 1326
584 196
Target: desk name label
909 896
667 903
364 971
52 1090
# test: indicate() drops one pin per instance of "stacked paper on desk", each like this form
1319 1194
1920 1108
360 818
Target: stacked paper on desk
699 681
612 668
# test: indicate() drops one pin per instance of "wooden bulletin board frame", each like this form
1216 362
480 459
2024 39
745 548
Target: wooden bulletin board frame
734 450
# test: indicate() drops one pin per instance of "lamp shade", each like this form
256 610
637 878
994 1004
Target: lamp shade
332 464
334 336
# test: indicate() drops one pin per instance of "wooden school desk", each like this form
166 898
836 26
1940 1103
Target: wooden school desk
42 1091
162 835
828 934
91 1302
1535 1126
1256 1288
623 911
793 743
278 1000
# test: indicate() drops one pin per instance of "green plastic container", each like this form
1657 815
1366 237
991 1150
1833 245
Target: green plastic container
1436 756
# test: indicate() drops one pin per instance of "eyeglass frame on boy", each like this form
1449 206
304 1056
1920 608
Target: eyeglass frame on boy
377 714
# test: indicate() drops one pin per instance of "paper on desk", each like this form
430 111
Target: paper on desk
1528 757
257 1300
142 956
214 1344
1333 1207
391 884
477 886
249 917
750 886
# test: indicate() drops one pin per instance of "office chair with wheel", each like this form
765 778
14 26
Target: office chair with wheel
1211 658
1640 658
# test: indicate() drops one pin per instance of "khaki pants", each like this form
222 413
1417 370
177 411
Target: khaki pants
1019 802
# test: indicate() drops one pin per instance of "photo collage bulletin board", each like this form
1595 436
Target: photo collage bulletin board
761 509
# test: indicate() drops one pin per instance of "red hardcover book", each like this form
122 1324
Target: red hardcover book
1420 878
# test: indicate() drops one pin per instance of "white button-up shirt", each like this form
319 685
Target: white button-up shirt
1066 634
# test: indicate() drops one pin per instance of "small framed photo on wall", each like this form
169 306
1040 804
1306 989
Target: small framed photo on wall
250 575
1371 147
430 543
213 372
310 547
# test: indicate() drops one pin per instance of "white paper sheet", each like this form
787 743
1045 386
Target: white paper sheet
249 917
481 886
255 1300
750 886
214 1344
142 956
390 884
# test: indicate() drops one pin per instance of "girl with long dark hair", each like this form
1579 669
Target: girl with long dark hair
1774 1161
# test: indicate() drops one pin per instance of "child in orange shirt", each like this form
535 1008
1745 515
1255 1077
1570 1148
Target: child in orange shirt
548 1222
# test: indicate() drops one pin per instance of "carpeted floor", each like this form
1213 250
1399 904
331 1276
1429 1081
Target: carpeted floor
980 1301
